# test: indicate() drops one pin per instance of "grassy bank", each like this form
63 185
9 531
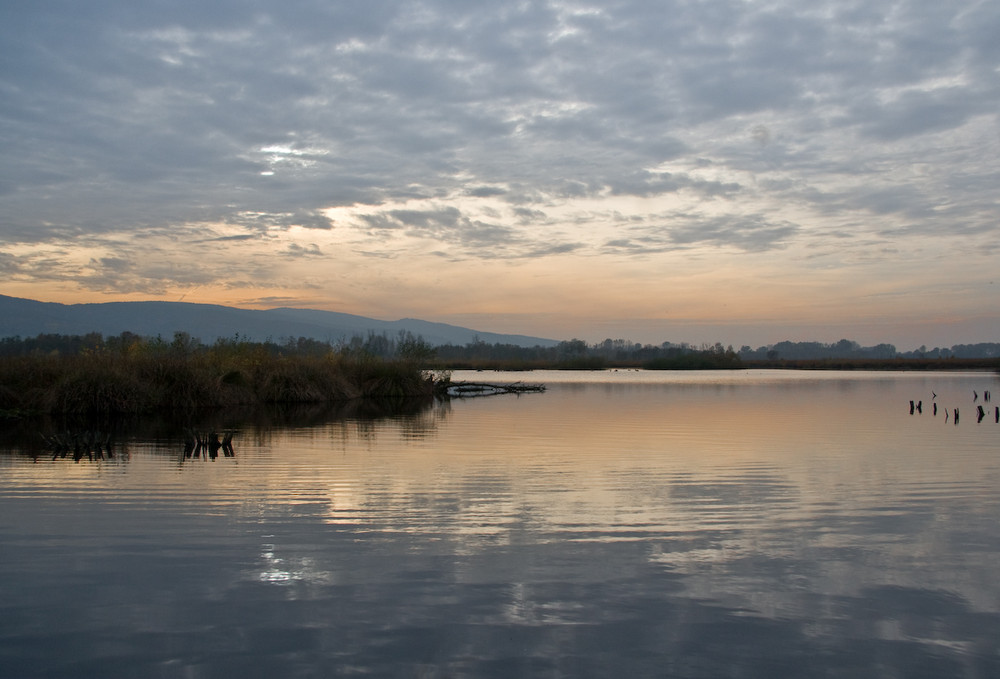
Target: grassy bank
140 379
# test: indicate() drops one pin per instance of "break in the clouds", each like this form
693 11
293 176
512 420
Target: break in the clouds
715 161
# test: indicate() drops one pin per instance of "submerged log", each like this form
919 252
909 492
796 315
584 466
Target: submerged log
476 389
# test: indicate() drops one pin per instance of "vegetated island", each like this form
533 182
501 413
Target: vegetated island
129 374
133 375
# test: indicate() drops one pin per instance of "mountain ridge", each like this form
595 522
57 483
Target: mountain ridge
208 322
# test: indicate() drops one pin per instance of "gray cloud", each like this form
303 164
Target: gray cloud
485 191
752 233
646 183
472 238
296 251
917 113
449 225
527 215
262 221
749 233
9 264
229 239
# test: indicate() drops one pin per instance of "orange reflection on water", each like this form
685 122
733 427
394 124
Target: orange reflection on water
611 461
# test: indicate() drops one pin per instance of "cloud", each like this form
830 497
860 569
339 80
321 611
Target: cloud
265 221
447 225
229 239
647 183
527 215
915 113
749 233
295 250
485 191
752 233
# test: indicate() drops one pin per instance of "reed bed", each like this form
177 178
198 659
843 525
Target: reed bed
138 381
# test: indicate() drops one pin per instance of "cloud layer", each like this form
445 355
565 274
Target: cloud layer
332 152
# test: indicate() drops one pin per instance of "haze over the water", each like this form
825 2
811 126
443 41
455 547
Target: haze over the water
686 170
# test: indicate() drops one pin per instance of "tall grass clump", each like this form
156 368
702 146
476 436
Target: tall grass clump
98 384
377 378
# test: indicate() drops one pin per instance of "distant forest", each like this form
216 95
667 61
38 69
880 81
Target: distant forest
848 349
574 353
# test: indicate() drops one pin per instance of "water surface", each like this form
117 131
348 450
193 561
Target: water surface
702 524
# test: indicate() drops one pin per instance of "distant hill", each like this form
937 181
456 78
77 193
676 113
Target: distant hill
208 322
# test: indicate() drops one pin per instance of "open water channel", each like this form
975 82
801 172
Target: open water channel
620 524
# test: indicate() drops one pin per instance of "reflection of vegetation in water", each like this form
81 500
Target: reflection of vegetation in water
107 438
94 445
209 445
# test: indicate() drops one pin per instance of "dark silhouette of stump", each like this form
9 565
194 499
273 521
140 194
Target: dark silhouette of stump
214 444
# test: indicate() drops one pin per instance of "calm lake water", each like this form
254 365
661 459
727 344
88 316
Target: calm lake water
697 524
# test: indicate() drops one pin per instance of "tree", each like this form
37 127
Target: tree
573 348
413 348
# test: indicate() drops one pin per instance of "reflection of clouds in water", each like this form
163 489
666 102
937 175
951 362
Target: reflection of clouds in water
529 605
740 491
278 570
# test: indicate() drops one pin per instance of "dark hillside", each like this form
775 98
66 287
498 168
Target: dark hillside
209 322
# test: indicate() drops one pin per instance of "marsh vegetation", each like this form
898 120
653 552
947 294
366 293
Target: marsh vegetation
130 375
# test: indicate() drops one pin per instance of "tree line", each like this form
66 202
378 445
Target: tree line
405 345
574 353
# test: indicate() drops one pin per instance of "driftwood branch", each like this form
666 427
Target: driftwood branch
476 389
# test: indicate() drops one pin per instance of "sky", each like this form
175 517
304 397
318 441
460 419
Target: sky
735 171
